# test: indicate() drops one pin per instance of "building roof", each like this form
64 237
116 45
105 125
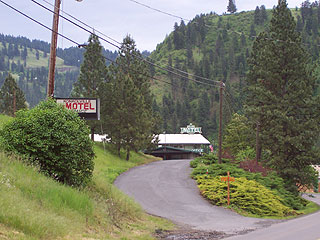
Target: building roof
182 139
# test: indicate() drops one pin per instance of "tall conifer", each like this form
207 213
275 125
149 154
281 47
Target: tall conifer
93 73
281 98
232 6
130 122
12 97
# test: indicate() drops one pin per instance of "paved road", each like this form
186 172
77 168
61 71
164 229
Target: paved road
302 228
165 189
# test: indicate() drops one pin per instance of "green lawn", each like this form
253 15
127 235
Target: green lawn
36 207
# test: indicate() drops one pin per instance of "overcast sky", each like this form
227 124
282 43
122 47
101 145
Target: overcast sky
115 18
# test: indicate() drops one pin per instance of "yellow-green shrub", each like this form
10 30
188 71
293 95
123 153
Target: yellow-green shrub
247 195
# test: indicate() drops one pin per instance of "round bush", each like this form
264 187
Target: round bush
55 139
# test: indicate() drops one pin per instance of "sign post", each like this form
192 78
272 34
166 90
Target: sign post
228 179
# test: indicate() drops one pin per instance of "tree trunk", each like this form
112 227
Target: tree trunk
119 149
92 134
128 154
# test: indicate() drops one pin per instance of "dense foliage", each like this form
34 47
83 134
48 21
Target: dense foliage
272 181
93 74
217 47
238 135
281 98
232 6
53 138
129 120
247 195
28 62
12 98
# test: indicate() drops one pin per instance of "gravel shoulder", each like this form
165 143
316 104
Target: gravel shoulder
165 189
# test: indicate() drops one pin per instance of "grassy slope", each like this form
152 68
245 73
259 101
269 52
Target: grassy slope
36 207
32 61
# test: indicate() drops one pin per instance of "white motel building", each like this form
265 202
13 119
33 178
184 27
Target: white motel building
188 144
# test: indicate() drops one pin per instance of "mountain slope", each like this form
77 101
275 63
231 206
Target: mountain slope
215 47
28 61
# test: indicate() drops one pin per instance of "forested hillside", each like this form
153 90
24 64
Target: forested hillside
216 47
28 61
211 46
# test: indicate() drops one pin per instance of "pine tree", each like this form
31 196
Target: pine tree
12 98
263 14
232 6
129 121
281 98
257 16
93 73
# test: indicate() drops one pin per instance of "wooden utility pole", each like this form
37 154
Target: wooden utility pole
220 123
54 38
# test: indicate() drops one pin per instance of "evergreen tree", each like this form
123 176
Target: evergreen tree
129 121
93 73
257 16
12 98
252 31
24 53
281 98
263 14
232 6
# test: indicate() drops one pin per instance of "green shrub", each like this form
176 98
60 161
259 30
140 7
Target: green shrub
206 159
273 182
238 134
247 195
245 154
53 138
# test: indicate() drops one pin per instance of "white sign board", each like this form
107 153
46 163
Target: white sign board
88 108
190 129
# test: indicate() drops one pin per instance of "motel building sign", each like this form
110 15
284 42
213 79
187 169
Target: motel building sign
187 144
87 108
190 129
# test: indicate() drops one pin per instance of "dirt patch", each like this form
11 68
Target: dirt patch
189 235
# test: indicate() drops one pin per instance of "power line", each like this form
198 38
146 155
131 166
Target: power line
207 25
141 58
83 23
41 24
74 23
78 44
160 11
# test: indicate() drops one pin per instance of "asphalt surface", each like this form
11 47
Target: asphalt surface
301 228
165 189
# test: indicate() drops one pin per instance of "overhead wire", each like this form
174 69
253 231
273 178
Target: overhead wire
36 21
83 23
207 25
75 42
74 23
141 58
160 11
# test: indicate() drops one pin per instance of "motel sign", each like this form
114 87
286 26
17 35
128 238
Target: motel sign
87 108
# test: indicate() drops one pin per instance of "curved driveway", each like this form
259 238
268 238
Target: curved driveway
165 189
